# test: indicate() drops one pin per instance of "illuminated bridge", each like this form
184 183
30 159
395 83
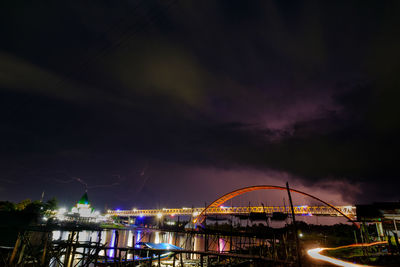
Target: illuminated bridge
349 211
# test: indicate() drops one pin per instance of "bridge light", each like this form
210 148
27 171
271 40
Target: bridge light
348 207
159 215
134 209
195 213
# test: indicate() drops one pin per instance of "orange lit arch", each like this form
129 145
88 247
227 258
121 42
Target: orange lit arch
226 197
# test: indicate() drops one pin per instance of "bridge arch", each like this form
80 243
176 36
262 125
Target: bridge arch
219 201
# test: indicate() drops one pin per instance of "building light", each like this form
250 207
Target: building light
61 210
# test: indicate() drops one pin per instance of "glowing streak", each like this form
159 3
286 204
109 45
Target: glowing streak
315 253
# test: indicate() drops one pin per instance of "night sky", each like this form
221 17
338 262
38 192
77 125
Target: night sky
172 103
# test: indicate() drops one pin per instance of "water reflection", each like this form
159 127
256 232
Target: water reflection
112 244
221 245
138 237
129 238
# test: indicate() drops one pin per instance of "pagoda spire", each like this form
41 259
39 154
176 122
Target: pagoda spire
84 199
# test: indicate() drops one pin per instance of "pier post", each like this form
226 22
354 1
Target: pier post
15 250
133 256
21 253
294 227
43 259
68 249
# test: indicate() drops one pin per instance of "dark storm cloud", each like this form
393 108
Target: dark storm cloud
307 90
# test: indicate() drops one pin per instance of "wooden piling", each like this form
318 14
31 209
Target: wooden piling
133 256
68 250
21 253
43 258
150 260
15 250
294 227
73 253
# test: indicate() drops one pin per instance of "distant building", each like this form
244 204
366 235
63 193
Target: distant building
385 215
82 212
84 209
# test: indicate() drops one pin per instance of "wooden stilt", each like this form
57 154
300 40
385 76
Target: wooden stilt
181 255
15 250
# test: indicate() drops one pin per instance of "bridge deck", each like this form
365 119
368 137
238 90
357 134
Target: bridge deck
299 210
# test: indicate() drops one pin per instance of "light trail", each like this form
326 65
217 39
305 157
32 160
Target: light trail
315 254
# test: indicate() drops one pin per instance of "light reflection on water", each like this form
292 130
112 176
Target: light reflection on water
138 237
112 244
129 238
222 243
